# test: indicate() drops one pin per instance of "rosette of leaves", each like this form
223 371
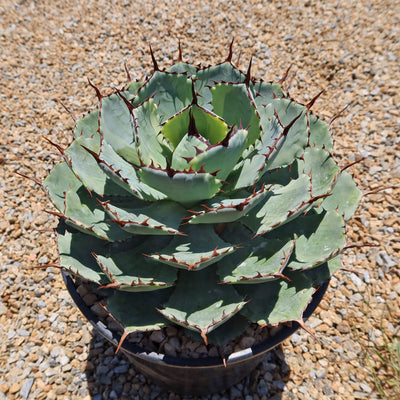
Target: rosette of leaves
202 197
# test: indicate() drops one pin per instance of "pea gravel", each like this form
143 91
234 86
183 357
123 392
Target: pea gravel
48 51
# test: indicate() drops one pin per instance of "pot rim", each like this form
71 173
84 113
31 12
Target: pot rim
136 351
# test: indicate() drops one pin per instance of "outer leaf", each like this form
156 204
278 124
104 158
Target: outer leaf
117 125
323 272
87 128
284 204
137 312
77 207
160 218
247 172
236 233
133 272
297 136
319 237
258 260
190 307
124 174
84 213
277 301
150 144
75 256
271 129
319 133
60 179
321 167
224 333
200 248
281 176
345 196
88 171
322 239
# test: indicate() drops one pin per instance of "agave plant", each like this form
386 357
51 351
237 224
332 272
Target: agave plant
202 197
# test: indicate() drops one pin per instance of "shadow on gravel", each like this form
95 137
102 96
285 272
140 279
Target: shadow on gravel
112 376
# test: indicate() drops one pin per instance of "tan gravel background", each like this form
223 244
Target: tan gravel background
50 48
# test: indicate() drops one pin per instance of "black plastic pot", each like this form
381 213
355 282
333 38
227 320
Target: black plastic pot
192 376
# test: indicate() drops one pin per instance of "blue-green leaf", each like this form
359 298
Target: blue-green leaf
158 218
284 204
151 145
344 196
199 303
171 92
183 187
233 104
125 174
257 260
223 157
137 311
117 125
131 271
277 301
207 77
197 249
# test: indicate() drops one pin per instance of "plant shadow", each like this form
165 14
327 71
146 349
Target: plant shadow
112 376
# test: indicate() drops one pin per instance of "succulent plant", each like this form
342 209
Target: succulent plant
202 197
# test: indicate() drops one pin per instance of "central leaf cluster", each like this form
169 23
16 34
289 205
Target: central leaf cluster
185 137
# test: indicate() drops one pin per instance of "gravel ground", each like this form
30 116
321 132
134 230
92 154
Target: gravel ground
50 48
